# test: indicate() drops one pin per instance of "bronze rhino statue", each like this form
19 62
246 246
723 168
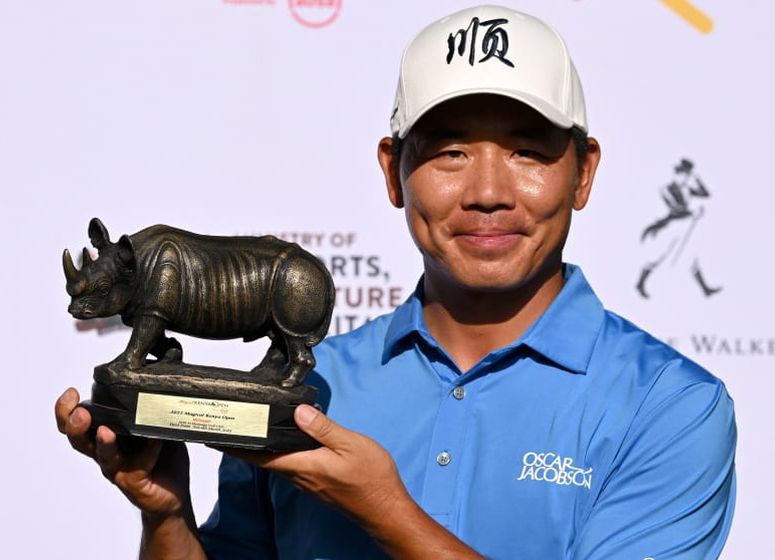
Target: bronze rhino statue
206 286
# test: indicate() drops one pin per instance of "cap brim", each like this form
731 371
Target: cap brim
552 114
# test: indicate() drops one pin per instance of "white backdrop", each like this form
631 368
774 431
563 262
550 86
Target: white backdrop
258 117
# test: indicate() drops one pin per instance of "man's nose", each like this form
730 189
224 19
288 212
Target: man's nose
490 185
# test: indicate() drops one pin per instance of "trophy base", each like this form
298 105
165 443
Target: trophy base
214 406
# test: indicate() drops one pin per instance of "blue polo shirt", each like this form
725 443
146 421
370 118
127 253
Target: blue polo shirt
584 439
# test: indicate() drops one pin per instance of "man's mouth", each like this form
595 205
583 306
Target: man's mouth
486 238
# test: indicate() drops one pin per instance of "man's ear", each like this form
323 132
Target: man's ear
586 175
389 165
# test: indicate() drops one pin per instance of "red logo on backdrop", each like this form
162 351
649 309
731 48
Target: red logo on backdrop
257 2
315 13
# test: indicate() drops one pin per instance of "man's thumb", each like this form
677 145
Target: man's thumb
319 426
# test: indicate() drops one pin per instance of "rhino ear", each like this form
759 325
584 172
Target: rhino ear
126 252
98 234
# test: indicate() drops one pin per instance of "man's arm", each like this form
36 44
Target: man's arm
155 479
172 537
358 476
671 492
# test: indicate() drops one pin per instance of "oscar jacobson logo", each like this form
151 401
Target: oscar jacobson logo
554 469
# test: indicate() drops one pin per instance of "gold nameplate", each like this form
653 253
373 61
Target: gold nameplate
202 415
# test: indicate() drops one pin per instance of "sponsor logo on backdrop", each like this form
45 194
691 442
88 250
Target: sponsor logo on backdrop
364 289
693 15
669 243
716 345
102 325
315 13
252 2
554 469
309 13
667 240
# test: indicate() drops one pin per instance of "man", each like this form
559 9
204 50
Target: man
500 411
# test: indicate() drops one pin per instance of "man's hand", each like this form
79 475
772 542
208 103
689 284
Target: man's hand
155 479
357 475
350 471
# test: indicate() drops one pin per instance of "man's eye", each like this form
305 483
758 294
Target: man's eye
454 154
529 154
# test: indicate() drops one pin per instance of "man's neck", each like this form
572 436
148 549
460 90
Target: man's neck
469 324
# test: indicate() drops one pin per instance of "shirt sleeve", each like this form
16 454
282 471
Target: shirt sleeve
241 524
671 491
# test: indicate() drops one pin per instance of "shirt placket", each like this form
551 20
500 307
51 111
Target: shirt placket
447 451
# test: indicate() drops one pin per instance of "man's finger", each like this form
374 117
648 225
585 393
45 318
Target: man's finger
64 406
106 452
319 426
148 456
77 430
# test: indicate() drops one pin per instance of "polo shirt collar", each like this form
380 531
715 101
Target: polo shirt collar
565 333
406 321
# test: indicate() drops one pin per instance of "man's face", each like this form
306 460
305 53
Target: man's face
488 186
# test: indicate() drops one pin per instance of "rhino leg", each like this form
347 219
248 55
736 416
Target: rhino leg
167 349
271 369
301 362
276 357
145 332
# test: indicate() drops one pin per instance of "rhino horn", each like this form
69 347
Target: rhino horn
71 273
85 258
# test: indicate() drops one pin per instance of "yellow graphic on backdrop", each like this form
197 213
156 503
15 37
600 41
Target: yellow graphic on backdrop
691 14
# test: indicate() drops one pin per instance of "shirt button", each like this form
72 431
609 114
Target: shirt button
443 458
459 392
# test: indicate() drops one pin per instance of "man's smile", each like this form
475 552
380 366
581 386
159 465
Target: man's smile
489 239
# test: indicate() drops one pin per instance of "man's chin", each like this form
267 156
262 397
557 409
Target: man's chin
505 278
491 283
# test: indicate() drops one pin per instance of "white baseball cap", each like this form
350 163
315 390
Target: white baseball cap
488 49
